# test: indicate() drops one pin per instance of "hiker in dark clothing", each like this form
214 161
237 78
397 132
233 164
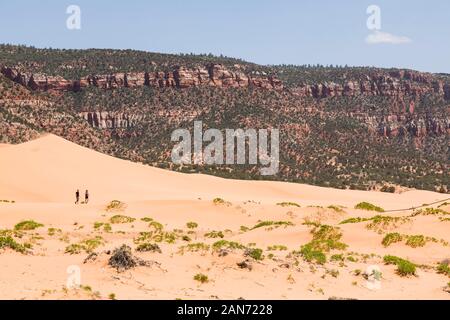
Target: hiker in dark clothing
77 196
86 197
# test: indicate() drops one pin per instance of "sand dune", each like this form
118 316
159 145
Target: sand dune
51 168
41 177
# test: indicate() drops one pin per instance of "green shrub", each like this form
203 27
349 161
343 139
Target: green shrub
121 219
277 247
311 254
218 201
336 208
444 268
337 257
354 220
27 225
92 244
288 204
327 238
404 267
200 277
148 247
368 206
88 245
192 225
272 223
430 211
255 253
221 244
156 225
106 226
416 241
9 242
74 248
214 234
115 205
244 229
391 238
194 247
53 231
379 222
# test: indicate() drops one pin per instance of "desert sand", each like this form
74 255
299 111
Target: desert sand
38 180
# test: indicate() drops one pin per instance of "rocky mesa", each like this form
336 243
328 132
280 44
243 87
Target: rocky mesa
180 77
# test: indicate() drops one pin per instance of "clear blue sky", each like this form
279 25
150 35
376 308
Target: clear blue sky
261 31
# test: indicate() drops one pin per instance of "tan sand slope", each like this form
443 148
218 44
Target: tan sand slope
51 168
38 180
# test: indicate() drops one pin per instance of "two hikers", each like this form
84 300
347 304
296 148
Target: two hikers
77 197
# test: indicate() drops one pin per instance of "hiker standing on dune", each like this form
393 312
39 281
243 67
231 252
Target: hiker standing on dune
86 197
77 196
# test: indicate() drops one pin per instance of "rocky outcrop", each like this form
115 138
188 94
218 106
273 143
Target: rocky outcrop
181 77
382 85
397 84
110 120
406 125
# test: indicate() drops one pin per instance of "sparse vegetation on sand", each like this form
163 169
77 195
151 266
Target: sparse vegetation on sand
214 234
156 235
220 201
404 267
27 225
225 244
277 247
116 205
88 246
368 206
413 241
272 223
391 238
9 242
416 241
52 231
192 225
288 204
7 201
121 219
380 223
106 226
430 211
148 247
194 247
444 268
354 220
325 238
200 277
311 254
157 226
336 208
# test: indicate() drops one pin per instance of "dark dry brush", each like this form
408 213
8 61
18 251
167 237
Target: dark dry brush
122 259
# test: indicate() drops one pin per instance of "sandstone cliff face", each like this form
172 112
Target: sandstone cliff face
406 125
181 77
394 85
